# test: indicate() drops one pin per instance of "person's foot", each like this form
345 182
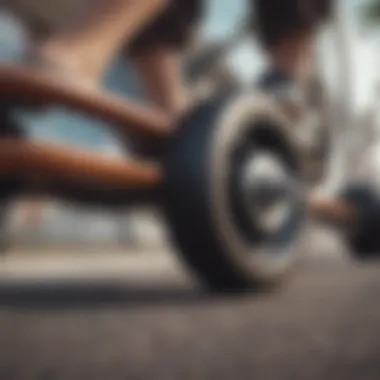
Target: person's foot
293 97
284 87
280 83
304 106
59 70
274 80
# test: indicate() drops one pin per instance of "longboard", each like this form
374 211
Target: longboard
34 162
30 160
22 86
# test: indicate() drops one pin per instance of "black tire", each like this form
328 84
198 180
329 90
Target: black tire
202 214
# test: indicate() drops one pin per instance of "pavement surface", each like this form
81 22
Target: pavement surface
108 316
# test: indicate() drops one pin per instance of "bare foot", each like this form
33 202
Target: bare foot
61 70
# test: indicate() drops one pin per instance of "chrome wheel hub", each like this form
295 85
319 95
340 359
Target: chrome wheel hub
268 191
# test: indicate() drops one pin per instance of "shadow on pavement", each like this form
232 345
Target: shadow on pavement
103 296
77 296
100 294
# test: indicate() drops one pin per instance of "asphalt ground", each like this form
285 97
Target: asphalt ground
140 316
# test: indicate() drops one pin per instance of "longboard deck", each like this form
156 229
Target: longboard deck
27 159
27 86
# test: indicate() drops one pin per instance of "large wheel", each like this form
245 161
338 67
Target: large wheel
232 195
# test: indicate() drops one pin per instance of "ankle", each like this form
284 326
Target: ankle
49 59
294 57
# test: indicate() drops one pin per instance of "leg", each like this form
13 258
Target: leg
158 54
87 44
288 31
161 72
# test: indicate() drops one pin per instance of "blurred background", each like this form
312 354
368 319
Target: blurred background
45 224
